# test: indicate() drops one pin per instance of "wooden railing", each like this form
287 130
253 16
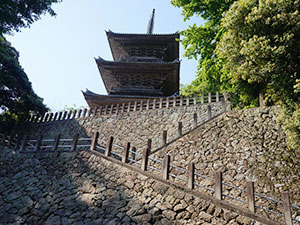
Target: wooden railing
162 170
156 103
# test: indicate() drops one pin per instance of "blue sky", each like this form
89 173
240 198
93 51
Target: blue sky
57 53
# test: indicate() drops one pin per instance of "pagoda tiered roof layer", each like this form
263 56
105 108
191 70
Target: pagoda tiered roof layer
96 100
140 78
161 46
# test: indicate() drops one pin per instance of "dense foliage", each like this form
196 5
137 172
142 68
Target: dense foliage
251 47
17 98
261 49
15 14
200 42
261 52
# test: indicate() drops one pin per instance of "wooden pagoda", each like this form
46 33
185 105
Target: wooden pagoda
145 66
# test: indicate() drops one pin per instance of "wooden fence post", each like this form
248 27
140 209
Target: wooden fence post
209 112
118 109
250 196
287 208
129 107
94 141
154 104
219 191
100 110
105 109
195 121
55 116
50 117
167 102
179 129
166 167
79 113
181 100
69 114
164 137
17 142
41 118
141 105
160 103
187 100
191 175
125 152
148 104
225 96
74 142
30 118
145 155
84 112
109 146
111 108
202 98
59 116
123 107
46 118
74 114
174 101
209 97
23 144
56 142
217 97
89 112
65 115
195 99
135 106
38 144
133 152
223 104
261 100
95 112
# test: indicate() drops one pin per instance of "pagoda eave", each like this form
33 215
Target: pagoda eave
156 79
124 45
96 100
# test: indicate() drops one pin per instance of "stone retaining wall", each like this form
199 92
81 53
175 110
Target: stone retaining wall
81 188
135 127
244 145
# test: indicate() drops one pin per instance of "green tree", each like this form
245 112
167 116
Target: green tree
200 43
261 52
15 14
261 48
17 98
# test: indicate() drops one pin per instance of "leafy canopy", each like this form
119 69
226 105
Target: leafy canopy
15 14
260 49
199 42
17 98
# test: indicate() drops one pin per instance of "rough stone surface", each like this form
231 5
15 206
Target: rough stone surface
244 145
93 192
134 127
236 143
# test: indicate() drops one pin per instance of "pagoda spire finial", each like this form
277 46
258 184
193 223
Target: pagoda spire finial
151 23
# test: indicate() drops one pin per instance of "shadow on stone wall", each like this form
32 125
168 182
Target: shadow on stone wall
81 188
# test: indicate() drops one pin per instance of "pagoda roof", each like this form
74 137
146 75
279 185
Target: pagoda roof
140 78
124 44
96 100
110 33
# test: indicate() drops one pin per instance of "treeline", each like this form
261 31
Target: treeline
17 98
247 47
